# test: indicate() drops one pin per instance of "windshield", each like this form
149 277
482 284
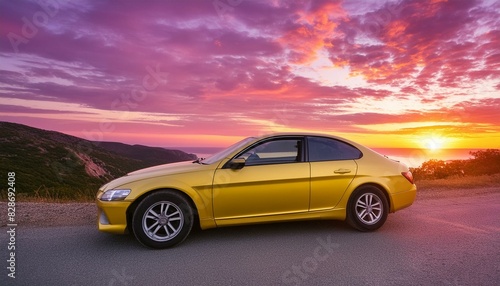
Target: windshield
226 152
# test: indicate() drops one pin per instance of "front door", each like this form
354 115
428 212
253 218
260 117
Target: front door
274 180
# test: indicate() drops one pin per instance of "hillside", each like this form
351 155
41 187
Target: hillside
151 155
57 165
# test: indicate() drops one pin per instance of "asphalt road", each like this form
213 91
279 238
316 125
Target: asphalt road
447 241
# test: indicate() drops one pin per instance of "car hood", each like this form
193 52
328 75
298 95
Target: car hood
166 169
156 171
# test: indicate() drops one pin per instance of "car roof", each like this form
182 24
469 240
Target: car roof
285 134
278 134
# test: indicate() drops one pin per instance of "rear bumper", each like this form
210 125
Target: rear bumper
404 199
112 216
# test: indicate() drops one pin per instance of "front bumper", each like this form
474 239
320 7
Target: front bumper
112 216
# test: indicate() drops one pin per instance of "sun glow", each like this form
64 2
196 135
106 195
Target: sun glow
434 143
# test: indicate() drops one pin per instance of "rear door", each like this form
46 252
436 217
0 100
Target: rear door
333 168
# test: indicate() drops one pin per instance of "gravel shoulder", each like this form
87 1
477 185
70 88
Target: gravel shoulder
38 214
41 214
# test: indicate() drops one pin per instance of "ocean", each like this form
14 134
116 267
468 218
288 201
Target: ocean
412 157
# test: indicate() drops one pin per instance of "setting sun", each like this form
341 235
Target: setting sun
434 143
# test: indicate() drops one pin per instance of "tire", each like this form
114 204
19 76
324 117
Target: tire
367 209
163 219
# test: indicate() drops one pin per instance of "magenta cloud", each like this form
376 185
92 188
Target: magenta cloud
234 67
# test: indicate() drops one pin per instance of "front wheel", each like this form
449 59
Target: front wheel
163 219
367 209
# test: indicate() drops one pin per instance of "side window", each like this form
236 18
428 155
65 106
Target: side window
273 152
326 149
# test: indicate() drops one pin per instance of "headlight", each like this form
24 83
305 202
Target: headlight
115 195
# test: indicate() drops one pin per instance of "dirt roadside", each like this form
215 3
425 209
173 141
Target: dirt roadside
36 214
51 214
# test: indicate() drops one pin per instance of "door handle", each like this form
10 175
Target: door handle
342 171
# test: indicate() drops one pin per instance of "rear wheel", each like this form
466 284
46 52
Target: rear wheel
163 219
367 209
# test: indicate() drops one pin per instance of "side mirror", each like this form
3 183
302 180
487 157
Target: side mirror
237 163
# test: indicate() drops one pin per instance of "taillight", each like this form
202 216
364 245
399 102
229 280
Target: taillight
408 175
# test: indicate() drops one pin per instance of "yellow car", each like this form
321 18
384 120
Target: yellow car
273 178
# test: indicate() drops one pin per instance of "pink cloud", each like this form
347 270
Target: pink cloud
206 66
414 34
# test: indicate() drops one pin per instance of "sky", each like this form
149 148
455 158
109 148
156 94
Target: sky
387 74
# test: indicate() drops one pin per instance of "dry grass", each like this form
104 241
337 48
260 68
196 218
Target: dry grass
470 182
458 187
54 195
54 199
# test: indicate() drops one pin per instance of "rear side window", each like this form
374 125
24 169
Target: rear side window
327 149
